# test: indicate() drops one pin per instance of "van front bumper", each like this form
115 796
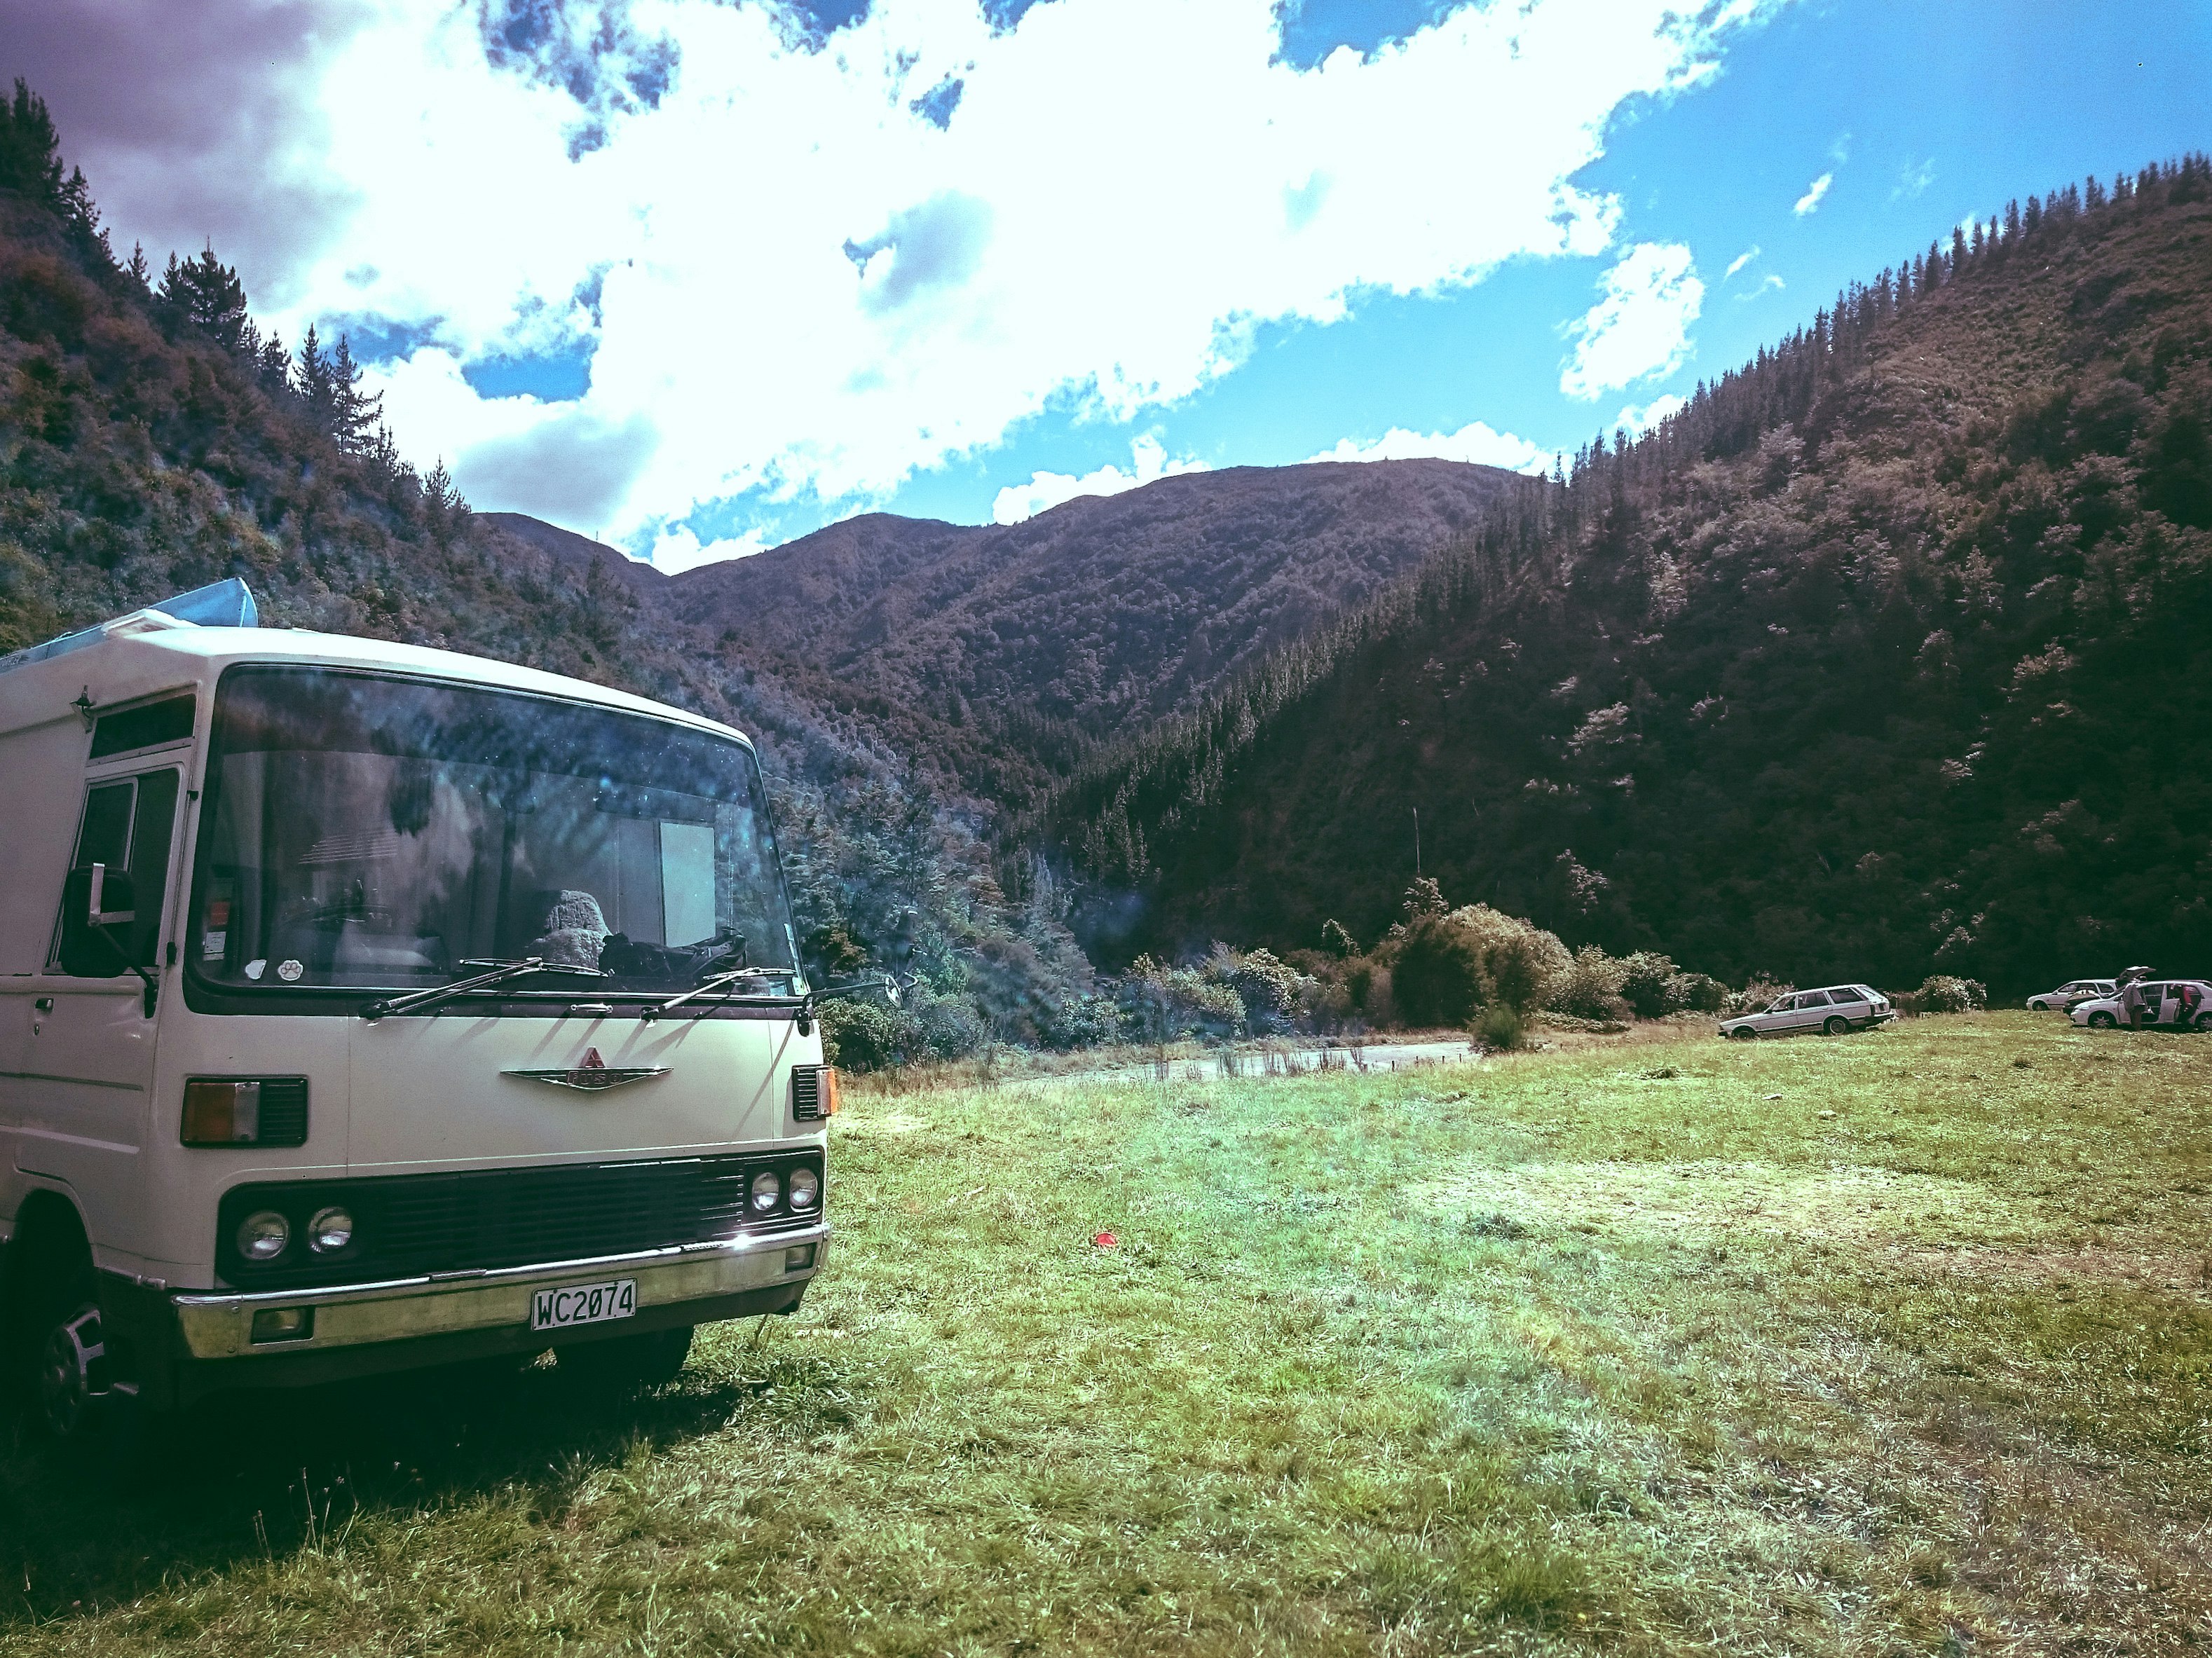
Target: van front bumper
206 1339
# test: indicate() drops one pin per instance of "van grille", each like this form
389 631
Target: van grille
406 1225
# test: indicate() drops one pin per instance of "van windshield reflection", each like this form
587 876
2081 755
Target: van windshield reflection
363 832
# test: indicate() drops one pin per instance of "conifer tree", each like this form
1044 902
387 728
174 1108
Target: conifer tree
352 413
311 378
206 293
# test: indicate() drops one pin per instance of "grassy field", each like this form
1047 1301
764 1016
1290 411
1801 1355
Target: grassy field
1894 1344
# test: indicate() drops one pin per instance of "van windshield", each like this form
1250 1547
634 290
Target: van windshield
368 832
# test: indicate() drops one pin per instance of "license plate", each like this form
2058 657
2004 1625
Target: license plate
583 1303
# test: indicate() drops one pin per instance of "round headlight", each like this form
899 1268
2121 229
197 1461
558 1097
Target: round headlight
766 1189
331 1229
805 1186
262 1235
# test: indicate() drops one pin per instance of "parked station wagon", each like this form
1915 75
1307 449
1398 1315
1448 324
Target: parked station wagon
2073 991
1832 1011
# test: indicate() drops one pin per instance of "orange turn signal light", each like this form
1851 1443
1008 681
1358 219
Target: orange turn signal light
219 1113
831 1101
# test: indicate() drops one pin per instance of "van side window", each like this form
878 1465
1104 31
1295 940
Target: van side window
128 825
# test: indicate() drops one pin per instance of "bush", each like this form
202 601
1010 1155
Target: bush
1647 984
1163 1003
1438 977
1758 995
1590 988
1699 993
1941 993
1501 1026
1266 989
862 1036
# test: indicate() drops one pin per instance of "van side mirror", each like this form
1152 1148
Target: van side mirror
94 900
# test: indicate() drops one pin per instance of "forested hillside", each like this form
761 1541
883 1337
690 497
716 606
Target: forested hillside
1891 653
997 655
152 439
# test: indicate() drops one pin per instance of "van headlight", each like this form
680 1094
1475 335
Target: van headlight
805 1186
766 1189
330 1230
262 1235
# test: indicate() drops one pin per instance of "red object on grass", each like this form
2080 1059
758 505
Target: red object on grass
1107 1241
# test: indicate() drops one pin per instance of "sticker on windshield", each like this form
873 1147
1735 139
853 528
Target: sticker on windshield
257 967
290 971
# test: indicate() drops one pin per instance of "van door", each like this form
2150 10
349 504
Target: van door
89 1062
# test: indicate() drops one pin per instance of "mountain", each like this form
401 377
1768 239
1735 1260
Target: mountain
1891 653
152 440
1000 653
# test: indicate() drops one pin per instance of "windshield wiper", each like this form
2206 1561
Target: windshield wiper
500 974
708 988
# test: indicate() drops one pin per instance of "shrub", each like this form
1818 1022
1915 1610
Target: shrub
1758 994
862 1036
1590 988
1941 993
1533 966
1699 993
1646 984
1337 942
1438 977
1501 1026
1163 1003
1266 989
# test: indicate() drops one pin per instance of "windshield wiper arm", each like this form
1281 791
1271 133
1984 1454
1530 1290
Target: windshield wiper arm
704 987
500 974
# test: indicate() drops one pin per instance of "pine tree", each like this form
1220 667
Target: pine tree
206 293
273 367
30 149
313 380
138 270
352 413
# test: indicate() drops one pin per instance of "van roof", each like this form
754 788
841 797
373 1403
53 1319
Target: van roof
157 648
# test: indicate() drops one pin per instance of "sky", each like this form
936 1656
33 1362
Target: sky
697 276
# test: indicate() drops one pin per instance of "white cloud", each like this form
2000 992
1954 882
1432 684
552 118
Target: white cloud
1916 179
677 550
1813 192
1147 460
1769 283
1476 442
1739 261
1641 326
1637 422
789 281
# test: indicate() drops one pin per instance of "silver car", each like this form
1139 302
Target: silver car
1832 1011
2169 1004
2073 991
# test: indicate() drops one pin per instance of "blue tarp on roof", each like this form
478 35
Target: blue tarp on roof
219 604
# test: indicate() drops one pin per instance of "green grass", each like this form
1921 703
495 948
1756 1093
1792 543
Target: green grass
1603 1349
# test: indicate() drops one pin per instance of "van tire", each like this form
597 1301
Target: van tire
626 1363
1836 1026
2100 1020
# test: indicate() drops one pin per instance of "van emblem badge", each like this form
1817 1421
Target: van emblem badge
593 1074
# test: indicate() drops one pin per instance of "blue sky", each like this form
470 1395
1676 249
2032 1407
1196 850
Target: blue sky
701 275
1933 123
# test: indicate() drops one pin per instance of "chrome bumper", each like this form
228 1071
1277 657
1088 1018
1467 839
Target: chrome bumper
220 1325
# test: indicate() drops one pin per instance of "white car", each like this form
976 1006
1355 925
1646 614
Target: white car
2172 1004
2075 990
1832 1011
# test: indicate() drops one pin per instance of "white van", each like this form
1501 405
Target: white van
365 1007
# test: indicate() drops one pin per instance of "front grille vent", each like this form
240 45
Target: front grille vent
406 1225
283 1111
